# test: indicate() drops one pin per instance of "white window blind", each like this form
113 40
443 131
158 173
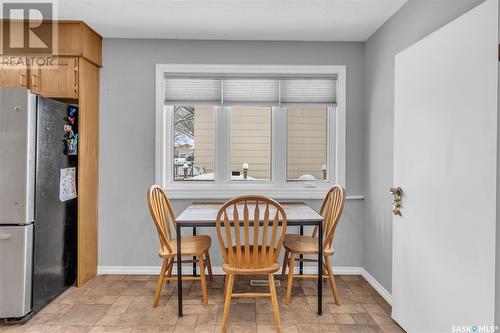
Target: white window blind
310 91
266 91
251 91
180 90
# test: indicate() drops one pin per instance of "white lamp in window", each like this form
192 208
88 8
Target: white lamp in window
244 166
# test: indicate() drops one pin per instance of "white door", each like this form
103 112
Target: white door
445 143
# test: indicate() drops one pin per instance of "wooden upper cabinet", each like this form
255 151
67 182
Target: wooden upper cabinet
78 39
58 81
59 78
13 77
74 38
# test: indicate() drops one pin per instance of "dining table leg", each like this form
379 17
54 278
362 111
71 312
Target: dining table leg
194 257
320 268
301 261
179 271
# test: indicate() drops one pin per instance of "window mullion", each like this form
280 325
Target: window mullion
331 145
167 144
279 147
221 145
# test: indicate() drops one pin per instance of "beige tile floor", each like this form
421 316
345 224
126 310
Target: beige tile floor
119 303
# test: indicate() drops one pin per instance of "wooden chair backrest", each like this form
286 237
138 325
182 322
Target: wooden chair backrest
247 223
331 210
162 214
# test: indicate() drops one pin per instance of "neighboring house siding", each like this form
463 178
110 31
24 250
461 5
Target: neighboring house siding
204 138
307 142
251 140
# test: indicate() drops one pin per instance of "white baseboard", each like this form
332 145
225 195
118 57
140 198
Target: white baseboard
377 286
217 270
130 270
336 270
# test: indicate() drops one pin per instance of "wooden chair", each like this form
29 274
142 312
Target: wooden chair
331 210
248 249
194 246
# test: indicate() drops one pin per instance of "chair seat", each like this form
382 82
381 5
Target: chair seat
250 268
190 246
303 245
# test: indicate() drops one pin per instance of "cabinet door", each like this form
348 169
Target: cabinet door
13 76
59 80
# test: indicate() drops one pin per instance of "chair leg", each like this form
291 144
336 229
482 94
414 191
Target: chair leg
325 271
169 269
227 301
159 284
203 281
332 281
225 285
274 300
291 266
285 263
209 266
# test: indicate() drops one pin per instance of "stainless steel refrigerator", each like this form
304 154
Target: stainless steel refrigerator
37 201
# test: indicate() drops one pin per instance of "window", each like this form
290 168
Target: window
272 130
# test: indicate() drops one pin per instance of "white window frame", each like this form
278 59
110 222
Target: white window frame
222 187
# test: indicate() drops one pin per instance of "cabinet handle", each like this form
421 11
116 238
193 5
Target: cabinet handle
21 80
5 236
33 80
76 75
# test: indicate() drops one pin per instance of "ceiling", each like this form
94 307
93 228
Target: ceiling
300 20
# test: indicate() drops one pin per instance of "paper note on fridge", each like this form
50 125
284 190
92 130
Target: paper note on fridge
67 184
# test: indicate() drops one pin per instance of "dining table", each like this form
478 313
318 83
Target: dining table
204 214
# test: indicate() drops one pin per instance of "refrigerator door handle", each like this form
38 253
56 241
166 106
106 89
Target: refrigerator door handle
5 236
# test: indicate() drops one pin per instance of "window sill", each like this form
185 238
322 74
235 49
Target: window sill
225 194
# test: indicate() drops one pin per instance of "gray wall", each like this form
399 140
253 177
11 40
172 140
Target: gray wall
412 22
126 234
